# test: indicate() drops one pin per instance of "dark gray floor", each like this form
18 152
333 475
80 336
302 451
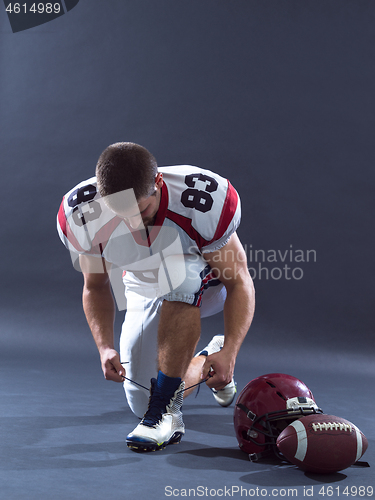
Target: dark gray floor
63 426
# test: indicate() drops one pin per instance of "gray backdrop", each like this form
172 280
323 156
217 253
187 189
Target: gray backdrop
277 96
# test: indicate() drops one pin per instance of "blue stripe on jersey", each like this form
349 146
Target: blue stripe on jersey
208 280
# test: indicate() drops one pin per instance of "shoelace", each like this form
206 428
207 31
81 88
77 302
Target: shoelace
158 402
147 388
156 406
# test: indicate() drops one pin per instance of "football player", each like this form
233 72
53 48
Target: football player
171 232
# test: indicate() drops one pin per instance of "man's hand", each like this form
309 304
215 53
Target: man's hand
219 368
111 366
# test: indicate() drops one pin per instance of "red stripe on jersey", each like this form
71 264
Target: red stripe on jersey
185 224
61 217
66 229
227 213
205 280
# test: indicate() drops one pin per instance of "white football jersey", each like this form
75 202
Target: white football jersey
199 211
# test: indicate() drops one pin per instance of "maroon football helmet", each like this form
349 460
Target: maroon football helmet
265 407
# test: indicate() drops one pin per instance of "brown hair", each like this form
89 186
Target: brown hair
126 165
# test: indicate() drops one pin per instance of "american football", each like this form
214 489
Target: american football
321 443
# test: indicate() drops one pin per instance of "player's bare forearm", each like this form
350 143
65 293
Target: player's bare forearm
230 266
97 299
99 308
238 314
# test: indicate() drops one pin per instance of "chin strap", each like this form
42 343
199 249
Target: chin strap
254 457
271 451
248 412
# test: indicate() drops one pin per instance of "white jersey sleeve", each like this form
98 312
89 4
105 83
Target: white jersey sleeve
84 223
204 204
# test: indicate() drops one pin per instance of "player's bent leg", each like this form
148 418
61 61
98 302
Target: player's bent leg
138 350
178 334
208 294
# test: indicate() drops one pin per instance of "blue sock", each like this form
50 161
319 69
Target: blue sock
167 385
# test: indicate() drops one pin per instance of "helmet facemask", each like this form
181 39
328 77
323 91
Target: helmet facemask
257 431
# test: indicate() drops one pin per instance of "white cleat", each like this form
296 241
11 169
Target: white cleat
161 425
215 345
226 395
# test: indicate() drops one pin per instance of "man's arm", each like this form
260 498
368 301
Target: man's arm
99 308
230 266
